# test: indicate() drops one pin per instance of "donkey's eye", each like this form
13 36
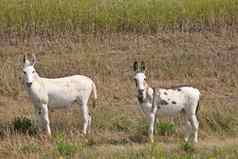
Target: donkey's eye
24 72
135 81
33 71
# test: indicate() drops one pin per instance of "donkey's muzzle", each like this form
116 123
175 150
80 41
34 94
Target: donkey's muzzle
28 84
140 91
140 99
140 95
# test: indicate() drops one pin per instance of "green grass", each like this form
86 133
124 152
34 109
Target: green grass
65 148
24 125
48 17
164 128
187 147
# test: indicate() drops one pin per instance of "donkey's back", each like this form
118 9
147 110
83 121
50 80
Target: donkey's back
79 82
64 91
176 99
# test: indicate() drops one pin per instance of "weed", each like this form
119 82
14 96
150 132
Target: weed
66 149
24 125
165 129
187 147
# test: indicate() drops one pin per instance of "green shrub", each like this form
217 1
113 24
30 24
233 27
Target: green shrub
187 147
24 125
66 149
165 129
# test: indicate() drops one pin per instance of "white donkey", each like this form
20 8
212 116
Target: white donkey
167 101
57 93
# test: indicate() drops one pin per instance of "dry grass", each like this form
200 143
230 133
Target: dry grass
206 60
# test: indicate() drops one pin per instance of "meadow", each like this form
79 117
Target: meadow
24 17
181 42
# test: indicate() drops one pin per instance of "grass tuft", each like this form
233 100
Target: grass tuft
187 147
165 128
24 125
64 148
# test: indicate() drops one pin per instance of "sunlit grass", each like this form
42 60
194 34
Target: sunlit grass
37 16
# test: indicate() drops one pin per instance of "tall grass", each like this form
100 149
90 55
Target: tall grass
44 16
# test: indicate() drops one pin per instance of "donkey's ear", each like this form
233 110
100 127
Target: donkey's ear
135 66
26 61
33 59
142 66
24 58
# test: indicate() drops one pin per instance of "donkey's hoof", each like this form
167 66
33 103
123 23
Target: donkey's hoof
186 139
151 140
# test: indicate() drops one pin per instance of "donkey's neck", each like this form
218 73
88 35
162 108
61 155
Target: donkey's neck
149 94
38 81
38 78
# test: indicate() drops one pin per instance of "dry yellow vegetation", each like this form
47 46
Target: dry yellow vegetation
206 60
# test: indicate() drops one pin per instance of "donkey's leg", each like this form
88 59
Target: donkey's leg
86 118
45 118
151 126
188 131
195 125
83 102
89 123
36 115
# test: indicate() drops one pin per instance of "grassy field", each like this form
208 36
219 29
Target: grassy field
206 60
27 17
181 42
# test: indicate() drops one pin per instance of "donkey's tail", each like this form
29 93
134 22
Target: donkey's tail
198 107
198 104
198 96
94 94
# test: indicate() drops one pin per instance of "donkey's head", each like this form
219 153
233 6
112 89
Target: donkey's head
140 80
29 71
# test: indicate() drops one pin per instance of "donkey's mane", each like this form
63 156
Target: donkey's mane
175 87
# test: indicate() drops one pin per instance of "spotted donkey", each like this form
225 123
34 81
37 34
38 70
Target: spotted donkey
167 101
